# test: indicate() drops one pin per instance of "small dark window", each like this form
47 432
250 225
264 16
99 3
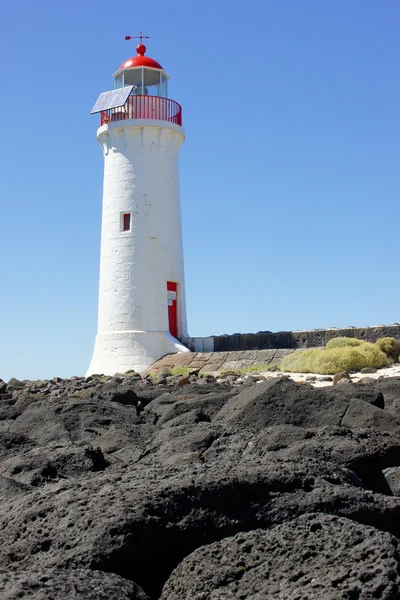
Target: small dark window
126 226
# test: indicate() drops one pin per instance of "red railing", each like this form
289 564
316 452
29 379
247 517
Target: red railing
145 107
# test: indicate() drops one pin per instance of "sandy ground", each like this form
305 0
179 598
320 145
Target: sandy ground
393 371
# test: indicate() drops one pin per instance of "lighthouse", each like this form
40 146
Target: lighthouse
141 307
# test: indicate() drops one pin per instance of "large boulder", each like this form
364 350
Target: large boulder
182 442
362 414
53 463
390 388
281 401
12 444
168 406
106 424
392 477
366 452
314 557
62 584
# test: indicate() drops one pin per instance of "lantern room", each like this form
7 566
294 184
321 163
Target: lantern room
145 74
140 92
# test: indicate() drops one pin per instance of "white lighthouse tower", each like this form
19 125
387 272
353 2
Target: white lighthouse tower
142 311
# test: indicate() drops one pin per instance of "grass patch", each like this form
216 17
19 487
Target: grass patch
261 367
184 371
251 369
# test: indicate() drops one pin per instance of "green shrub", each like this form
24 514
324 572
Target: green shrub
390 346
385 344
342 342
396 351
333 360
350 358
301 361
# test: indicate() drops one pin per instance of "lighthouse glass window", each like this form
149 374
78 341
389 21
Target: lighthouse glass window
152 82
164 92
134 77
119 80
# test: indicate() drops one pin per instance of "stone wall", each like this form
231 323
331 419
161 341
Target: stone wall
212 362
264 340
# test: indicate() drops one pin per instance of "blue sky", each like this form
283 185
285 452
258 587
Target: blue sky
290 173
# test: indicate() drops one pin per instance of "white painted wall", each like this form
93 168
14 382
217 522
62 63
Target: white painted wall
198 344
140 177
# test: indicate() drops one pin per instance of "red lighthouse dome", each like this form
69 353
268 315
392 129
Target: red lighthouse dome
140 60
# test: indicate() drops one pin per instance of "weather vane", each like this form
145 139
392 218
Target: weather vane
135 37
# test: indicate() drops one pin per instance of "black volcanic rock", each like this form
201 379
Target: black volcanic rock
126 523
366 452
53 463
362 414
74 584
392 477
123 476
390 389
104 423
169 406
13 443
282 401
293 561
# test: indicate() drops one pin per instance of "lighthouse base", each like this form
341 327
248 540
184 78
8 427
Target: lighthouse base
118 352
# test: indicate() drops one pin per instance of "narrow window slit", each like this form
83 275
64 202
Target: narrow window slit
126 222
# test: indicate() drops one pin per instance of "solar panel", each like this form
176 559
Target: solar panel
112 99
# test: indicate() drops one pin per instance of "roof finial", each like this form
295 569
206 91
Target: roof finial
140 48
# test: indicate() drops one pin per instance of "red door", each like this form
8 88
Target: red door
172 308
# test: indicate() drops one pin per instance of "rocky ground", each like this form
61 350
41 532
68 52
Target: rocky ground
199 488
